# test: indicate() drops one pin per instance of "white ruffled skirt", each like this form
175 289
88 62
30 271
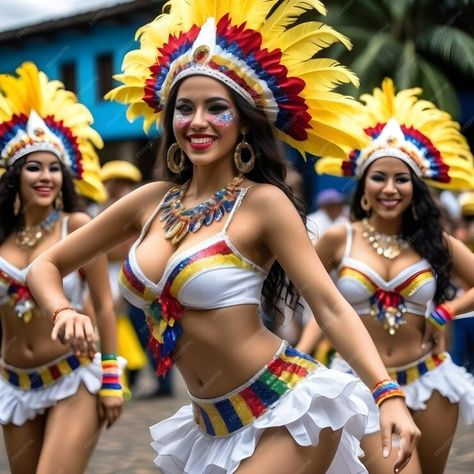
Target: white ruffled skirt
449 379
17 405
324 398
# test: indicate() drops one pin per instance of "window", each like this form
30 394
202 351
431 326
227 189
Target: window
68 76
105 71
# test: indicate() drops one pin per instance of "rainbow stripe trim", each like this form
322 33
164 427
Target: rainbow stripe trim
407 375
165 311
214 256
427 153
411 284
388 306
43 377
232 412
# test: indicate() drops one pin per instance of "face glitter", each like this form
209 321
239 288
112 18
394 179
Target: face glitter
223 119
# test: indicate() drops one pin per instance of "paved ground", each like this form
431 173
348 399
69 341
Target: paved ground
125 448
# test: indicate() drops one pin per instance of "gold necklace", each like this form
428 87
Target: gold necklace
178 221
388 246
30 235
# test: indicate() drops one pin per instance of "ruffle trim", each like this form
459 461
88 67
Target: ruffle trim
325 399
450 380
17 405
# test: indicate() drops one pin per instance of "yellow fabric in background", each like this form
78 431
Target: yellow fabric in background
129 346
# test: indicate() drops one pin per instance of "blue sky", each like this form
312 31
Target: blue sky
18 13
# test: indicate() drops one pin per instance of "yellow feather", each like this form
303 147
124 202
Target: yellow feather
287 13
324 73
305 40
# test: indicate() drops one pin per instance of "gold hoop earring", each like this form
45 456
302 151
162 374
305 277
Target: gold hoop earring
175 165
58 202
364 203
16 205
244 166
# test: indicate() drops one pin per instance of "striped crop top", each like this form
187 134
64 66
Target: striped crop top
14 291
412 290
209 275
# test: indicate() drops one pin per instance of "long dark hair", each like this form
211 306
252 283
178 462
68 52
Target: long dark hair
270 167
10 186
425 234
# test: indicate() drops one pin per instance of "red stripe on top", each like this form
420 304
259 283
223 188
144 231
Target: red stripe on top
410 279
278 366
55 372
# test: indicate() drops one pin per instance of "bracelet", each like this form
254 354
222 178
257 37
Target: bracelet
386 388
57 311
440 316
111 386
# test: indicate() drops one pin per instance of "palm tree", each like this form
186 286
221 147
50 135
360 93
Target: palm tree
426 43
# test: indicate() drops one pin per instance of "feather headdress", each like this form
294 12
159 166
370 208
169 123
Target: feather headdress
265 50
40 115
403 126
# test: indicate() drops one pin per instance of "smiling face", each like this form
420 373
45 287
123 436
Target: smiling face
206 122
41 179
388 187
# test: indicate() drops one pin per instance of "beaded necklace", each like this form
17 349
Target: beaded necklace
29 236
388 246
178 221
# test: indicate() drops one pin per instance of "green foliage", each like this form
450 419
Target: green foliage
426 43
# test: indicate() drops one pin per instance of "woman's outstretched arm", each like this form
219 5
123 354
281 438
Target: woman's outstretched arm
287 239
117 223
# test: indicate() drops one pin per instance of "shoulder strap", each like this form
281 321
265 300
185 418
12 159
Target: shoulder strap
349 234
64 228
237 204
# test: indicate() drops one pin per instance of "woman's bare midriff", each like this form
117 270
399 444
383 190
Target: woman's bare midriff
28 345
223 348
401 348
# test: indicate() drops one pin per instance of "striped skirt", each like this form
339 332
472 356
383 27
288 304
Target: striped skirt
292 390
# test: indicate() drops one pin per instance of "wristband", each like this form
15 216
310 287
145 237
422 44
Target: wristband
59 310
440 316
385 389
111 386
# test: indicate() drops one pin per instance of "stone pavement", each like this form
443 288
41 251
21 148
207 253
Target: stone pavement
125 448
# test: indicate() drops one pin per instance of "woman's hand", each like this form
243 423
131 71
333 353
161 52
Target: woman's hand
76 330
433 338
110 409
396 419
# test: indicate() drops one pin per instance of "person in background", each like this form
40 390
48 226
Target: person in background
53 400
395 262
332 210
462 327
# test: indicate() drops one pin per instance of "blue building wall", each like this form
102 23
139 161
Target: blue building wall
51 51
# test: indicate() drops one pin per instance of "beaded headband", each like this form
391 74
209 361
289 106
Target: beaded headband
264 50
403 126
40 115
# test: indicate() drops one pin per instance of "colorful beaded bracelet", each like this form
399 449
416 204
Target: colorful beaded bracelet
386 389
440 316
111 386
